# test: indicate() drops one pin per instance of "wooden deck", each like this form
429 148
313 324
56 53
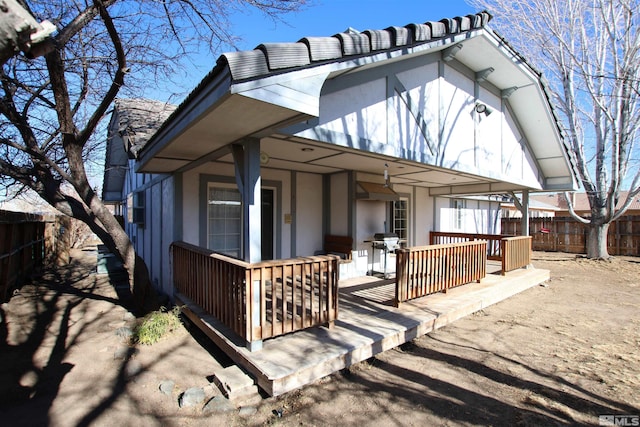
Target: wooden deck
368 324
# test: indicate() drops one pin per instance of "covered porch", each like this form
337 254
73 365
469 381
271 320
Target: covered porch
290 322
368 324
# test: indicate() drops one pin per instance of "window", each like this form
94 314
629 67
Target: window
135 208
224 221
457 211
400 218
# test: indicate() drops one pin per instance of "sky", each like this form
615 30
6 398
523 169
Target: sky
321 18
328 17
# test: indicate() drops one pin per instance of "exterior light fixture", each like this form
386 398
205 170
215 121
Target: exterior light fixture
449 53
264 158
307 149
387 181
481 108
483 74
505 93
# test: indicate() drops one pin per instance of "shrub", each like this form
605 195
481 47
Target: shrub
156 325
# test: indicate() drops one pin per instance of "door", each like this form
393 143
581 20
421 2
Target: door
268 203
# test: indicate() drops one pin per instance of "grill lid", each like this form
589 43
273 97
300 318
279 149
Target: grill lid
385 236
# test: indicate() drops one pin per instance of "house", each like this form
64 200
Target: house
539 207
361 135
580 203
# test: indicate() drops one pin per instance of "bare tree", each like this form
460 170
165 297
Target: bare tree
590 52
51 108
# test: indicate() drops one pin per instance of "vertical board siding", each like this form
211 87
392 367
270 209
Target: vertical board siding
293 294
424 270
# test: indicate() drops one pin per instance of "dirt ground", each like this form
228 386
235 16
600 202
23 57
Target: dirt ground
559 354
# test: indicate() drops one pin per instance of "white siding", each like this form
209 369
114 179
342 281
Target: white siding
422 86
191 207
423 216
456 149
308 214
339 204
364 116
432 120
478 216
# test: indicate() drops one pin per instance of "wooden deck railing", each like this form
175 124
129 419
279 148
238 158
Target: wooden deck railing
258 300
516 252
493 241
424 270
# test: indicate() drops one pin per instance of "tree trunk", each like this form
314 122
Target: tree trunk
104 224
597 240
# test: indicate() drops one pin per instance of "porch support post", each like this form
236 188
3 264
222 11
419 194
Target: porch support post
247 167
247 164
525 212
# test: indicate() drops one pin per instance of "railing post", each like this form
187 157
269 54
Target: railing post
402 261
504 251
254 318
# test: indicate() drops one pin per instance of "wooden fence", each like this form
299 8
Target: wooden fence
258 300
423 270
564 234
28 242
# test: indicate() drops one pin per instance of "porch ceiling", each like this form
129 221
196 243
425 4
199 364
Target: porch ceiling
300 155
235 117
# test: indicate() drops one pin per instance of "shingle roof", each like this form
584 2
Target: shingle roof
139 119
270 58
580 201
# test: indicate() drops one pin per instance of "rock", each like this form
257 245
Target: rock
128 316
247 411
124 332
191 397
121 353
133 368
218 404
167 386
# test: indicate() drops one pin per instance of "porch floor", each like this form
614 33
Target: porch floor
367 324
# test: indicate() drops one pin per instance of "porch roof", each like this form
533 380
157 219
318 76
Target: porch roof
256 93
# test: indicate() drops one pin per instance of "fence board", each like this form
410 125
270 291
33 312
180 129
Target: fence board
28 242
567 235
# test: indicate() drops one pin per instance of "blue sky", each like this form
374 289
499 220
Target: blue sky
328 17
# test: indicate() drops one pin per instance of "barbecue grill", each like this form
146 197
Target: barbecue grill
387 242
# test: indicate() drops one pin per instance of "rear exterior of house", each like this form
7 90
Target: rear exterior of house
405 130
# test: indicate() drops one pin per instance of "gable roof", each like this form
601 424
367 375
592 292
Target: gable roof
342 52
257 92
138 119
133 123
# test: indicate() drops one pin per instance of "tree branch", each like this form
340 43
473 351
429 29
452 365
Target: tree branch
118 79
